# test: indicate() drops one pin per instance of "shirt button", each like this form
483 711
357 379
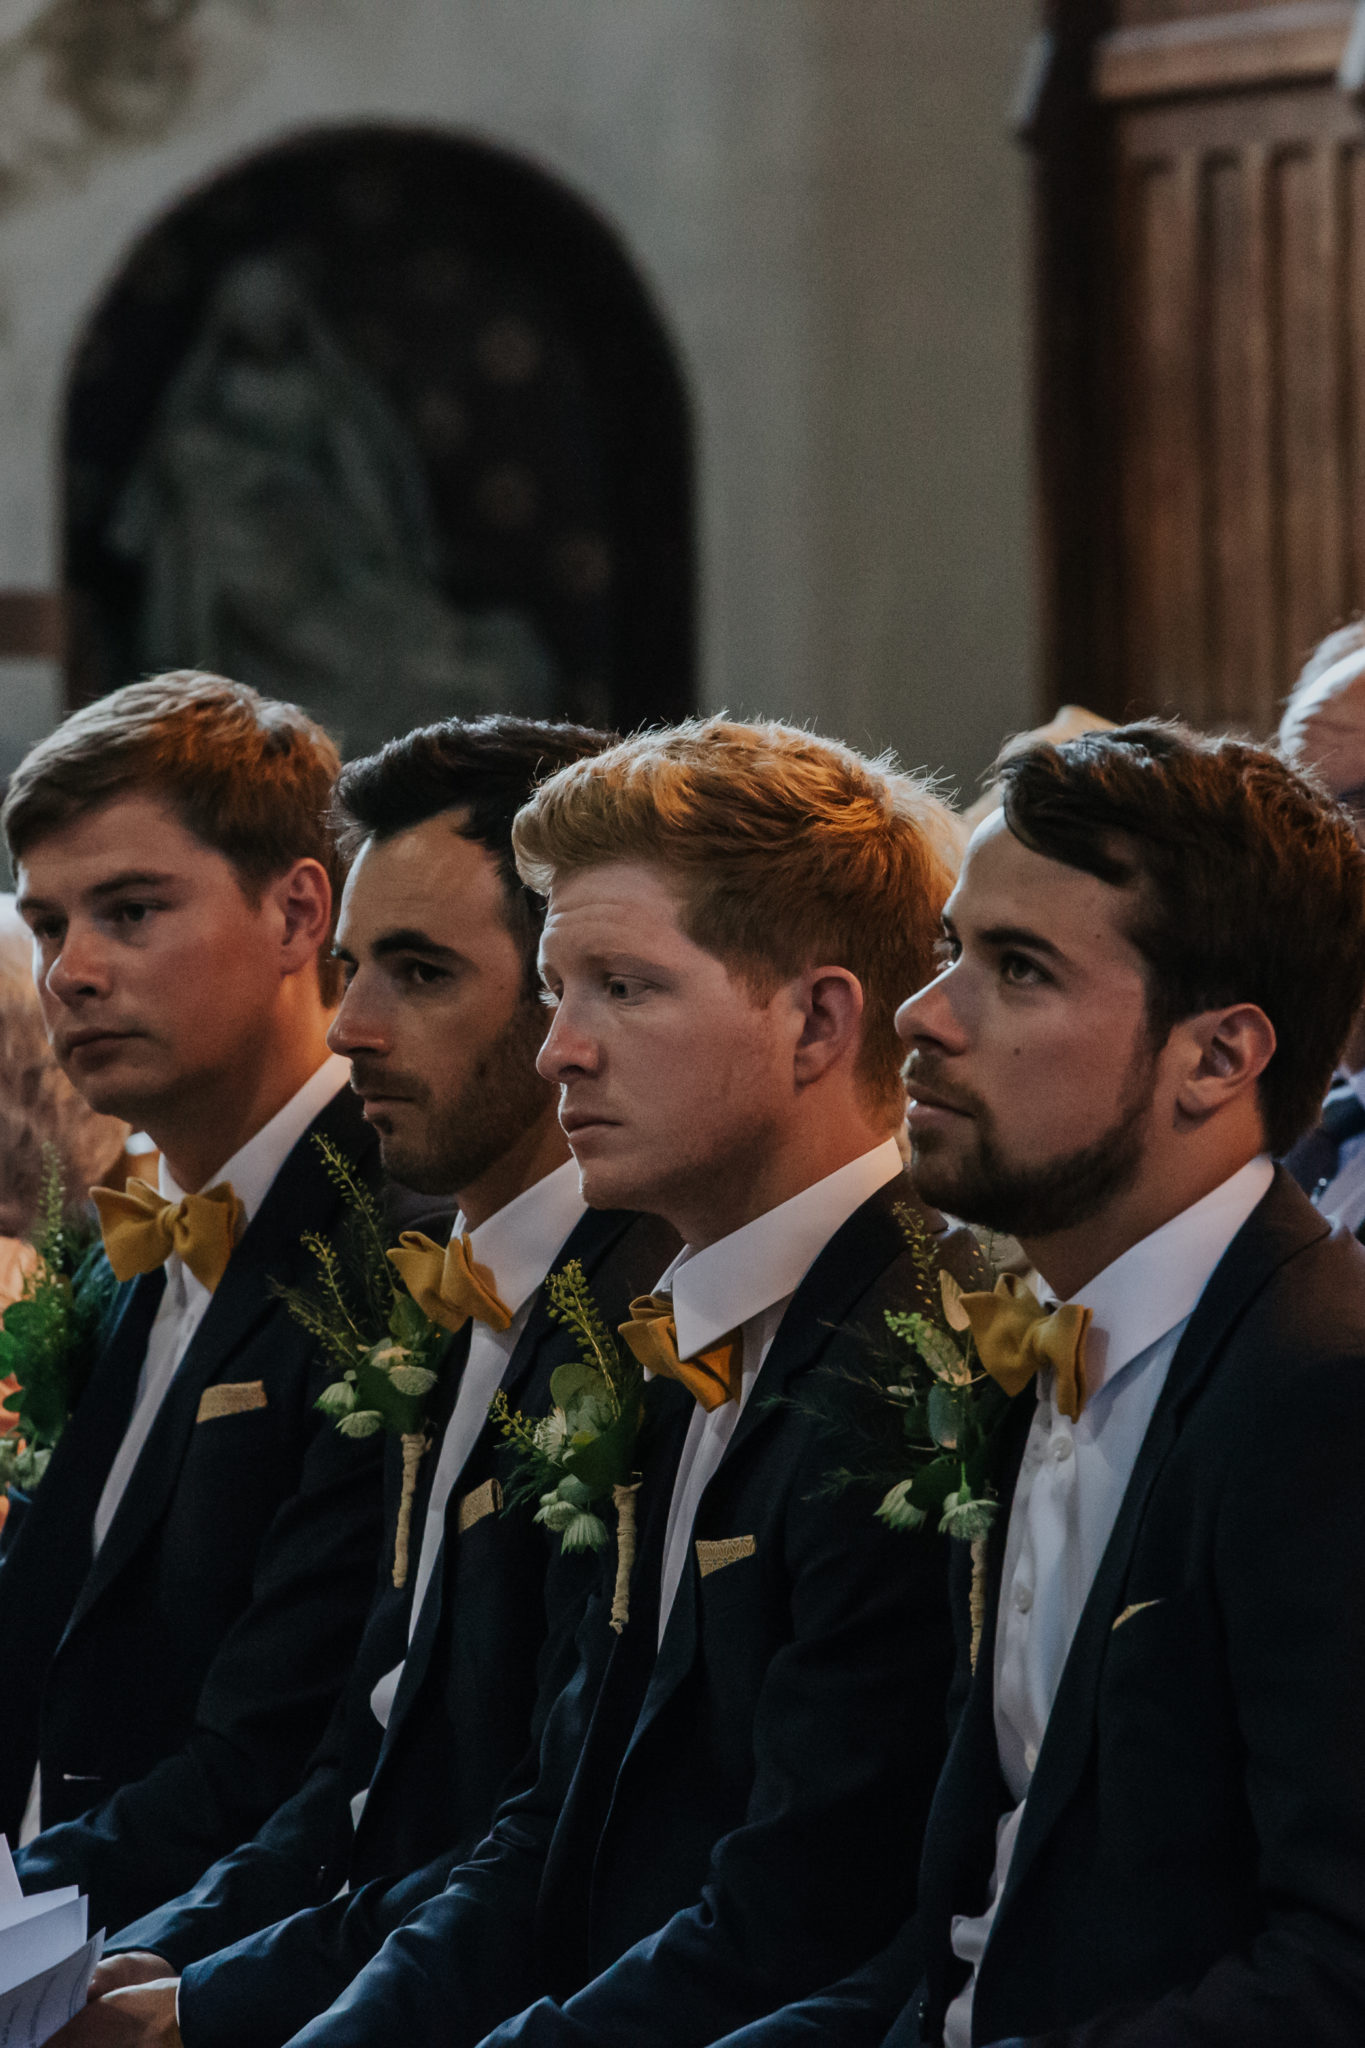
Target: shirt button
1061 1449
1031 1758
1023 1599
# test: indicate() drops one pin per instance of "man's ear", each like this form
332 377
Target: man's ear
1223 1055
303 898
830 1000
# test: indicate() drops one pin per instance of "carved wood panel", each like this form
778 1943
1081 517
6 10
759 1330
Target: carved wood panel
1219 355
1241 358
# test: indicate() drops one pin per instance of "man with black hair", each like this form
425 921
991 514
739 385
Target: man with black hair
442 1022
1151 1825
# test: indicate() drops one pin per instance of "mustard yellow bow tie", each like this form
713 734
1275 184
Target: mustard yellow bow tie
1015 1335
713 1376
446 1283
141 1229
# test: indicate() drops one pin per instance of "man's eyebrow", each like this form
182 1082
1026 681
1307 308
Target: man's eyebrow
132 878
409 939
1002 935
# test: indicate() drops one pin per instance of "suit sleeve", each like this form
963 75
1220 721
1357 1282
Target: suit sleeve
276 1873
461 1932
856 2013
848 1739
1290 1566
262 1708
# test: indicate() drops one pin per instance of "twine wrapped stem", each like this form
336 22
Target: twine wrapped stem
977 1602
414 1444
623 1499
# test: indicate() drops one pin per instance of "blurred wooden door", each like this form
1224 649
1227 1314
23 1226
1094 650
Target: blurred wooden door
1201 186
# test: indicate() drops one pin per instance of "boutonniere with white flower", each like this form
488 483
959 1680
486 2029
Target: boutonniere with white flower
919 1421
384 1349
581 1457
50 1336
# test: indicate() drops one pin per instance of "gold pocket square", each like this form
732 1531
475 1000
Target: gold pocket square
713 1557
1138 1607
234 1397
478 1502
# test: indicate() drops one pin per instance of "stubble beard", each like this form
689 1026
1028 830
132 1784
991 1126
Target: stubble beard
458 1141
1027 1201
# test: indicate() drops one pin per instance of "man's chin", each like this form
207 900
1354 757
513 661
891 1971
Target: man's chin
412 1168
611 1185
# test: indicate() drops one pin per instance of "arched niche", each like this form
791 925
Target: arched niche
506 332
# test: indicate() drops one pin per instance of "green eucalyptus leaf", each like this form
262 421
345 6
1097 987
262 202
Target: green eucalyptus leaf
945 1417
576 1378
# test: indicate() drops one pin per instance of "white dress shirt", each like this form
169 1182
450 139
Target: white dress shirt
1343 1198
519 1245
252 1170
745 1282
1070 1487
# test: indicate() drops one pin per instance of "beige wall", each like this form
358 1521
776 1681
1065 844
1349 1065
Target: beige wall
825 203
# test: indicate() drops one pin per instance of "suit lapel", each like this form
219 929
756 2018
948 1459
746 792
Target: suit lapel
300 1198
844 1272
590 1240
1281 1226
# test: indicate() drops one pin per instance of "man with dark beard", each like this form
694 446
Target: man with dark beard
1150 1830
1151 1825
442 1021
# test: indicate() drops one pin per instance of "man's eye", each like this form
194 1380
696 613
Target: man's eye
130 913
946 950
621 987
1020 971
548 996
422 974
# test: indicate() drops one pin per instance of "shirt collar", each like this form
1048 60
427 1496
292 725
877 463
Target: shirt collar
519 1241
253 1168
1156 1283
718 1289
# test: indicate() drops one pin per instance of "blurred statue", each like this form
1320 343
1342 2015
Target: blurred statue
38 1107
280 516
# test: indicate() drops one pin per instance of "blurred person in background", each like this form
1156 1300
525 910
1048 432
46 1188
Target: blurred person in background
38 1107
1322 733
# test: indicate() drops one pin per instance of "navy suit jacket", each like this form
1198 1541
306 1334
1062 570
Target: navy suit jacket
175 1688
1191 1864
735 1818
504 1602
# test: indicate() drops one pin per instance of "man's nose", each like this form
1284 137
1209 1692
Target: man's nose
567 1050
929 1017
359 1024
80 970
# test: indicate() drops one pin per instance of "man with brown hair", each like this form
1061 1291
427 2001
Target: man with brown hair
728 1795
183 1598
1150 1831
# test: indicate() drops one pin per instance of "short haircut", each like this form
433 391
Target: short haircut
787 852
483 768
248 775
1247 886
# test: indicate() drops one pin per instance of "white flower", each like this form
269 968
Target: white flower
966 1517
551 1435
364 1422
386 1355
896 1509
411 1379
